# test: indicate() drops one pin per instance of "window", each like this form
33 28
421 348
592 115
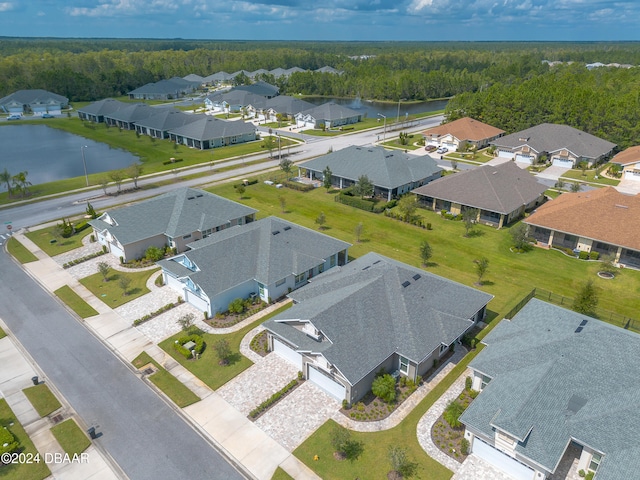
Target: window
404 365
485 382
595 462
320 268
332 261
280 282
186 237
443 348
299 278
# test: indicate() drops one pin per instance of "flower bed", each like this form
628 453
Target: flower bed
260 344
373 409
227 319
448 439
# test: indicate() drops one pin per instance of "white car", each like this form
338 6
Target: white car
442 150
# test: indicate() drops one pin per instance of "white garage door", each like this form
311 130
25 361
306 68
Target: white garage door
287 353
117 251
630 175
528 159
502 461
560 162
505 154
327 384
196 301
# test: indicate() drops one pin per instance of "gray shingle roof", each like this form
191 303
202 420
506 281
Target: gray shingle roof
209 128
176 213
28 97
217 77
239 97
550 137
287 104
368 312
331 112
260 88
132 113
166 119
384 168
193 78
103 107
167 87
501 188
252 252
559 384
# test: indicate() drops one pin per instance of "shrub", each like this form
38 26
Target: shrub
581 473
589 476
594 255
154 253
465 446
384 387
236 306
452 414
273 399
583 255
347 199
301 187
8 443
197 339
345 404
80 226
468 382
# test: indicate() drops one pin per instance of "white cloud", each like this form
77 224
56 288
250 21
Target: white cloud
6 6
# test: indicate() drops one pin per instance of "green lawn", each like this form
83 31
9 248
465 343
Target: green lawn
280 474
354 127
2 333
589 177
510 275
42 238
20 252
30 471
167 383
70 437
206 368
42 399
75 302
110 291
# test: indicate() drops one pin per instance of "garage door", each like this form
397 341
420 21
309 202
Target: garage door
502 461
505 154
326 383
287 353
117 251
631 175
528 159
196 301
560 162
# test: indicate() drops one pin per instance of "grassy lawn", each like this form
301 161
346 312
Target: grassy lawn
2 333
42 399
589 177
510 275
31 471
207 368
20 252
42 238
395 143
280 474
70 437
110 291
167 383
74 302
354 127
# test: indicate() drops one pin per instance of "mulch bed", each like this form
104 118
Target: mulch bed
260 344
373 409
448 439
230 319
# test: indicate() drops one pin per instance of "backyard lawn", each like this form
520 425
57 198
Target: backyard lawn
206 368
43 237
70 437
42 399
111 291
75 302
510 276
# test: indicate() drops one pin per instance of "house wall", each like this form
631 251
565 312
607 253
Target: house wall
361 388
220 303
427 363
137 249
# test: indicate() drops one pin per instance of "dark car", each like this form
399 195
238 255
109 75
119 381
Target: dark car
430 148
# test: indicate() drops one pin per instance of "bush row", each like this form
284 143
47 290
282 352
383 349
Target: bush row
416 220
149 316
273 399
197 339
451 216
301 187
80 226
82 259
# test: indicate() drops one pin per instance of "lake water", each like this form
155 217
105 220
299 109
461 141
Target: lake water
372 109
49 154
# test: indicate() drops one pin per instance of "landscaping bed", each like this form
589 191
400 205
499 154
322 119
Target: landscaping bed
260 344
228 319
450 439
275 398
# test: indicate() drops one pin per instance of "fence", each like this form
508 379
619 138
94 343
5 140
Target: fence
600 313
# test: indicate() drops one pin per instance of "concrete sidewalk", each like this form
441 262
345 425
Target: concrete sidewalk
15 376
223 425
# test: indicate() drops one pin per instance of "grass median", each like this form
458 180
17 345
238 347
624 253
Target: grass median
70 437
42 399
75 302
20 252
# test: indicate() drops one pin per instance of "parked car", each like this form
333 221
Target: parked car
430 148
47 115
14 116
442 150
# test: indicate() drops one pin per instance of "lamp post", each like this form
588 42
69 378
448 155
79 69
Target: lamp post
86 177
384 135
279 150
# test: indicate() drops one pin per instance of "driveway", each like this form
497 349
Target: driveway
553 173
630 187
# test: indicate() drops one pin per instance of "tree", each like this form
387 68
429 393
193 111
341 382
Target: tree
482 266
403 138
425 252
587 299
363 187
186 321
344 444
384 387
240 189
358 231
104 269
104 182
283 203
469 217
452 413
559 184
286 165
21 183
407 207
117 176
269 143
5 177
575 187
223 351
134 171
608 263
124 281
320 220
583 165
400 462
91 211
520 237
326 178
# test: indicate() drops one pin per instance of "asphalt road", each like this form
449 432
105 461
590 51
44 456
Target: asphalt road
146 437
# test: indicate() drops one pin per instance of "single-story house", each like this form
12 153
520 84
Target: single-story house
175 87
501 193
328 69
217 78
462 131
96 111
233 101
562 145
129 115
629 160
208 132
282 104
194 78
268 257
263 89
601 220
329 115
556 388
373 313
35 101
164 121
392 172
172 219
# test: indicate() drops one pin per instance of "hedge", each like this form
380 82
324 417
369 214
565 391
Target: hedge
80 226
83 259
301 187
161 310
197 339
273 399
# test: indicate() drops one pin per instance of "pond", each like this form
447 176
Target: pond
373 108
49 154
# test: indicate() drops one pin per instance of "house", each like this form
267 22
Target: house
601 220
164 121
96 111
464 131
263 89
501 193
629 160
194 78
207 132
217 78
35 101
269 257
561 145
234 101
373 313
173 219
175 87
328 69
283 105
329 115
556 386
392 172
128 115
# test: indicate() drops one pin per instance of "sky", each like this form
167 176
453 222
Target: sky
331 20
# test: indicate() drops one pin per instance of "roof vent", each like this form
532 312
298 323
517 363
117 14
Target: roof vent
199 195
405 284
190 198
578 330
367 267
275 232
583 323
417 276
287 228
376 262
621 206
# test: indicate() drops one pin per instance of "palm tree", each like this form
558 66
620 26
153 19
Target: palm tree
21 183
5 177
